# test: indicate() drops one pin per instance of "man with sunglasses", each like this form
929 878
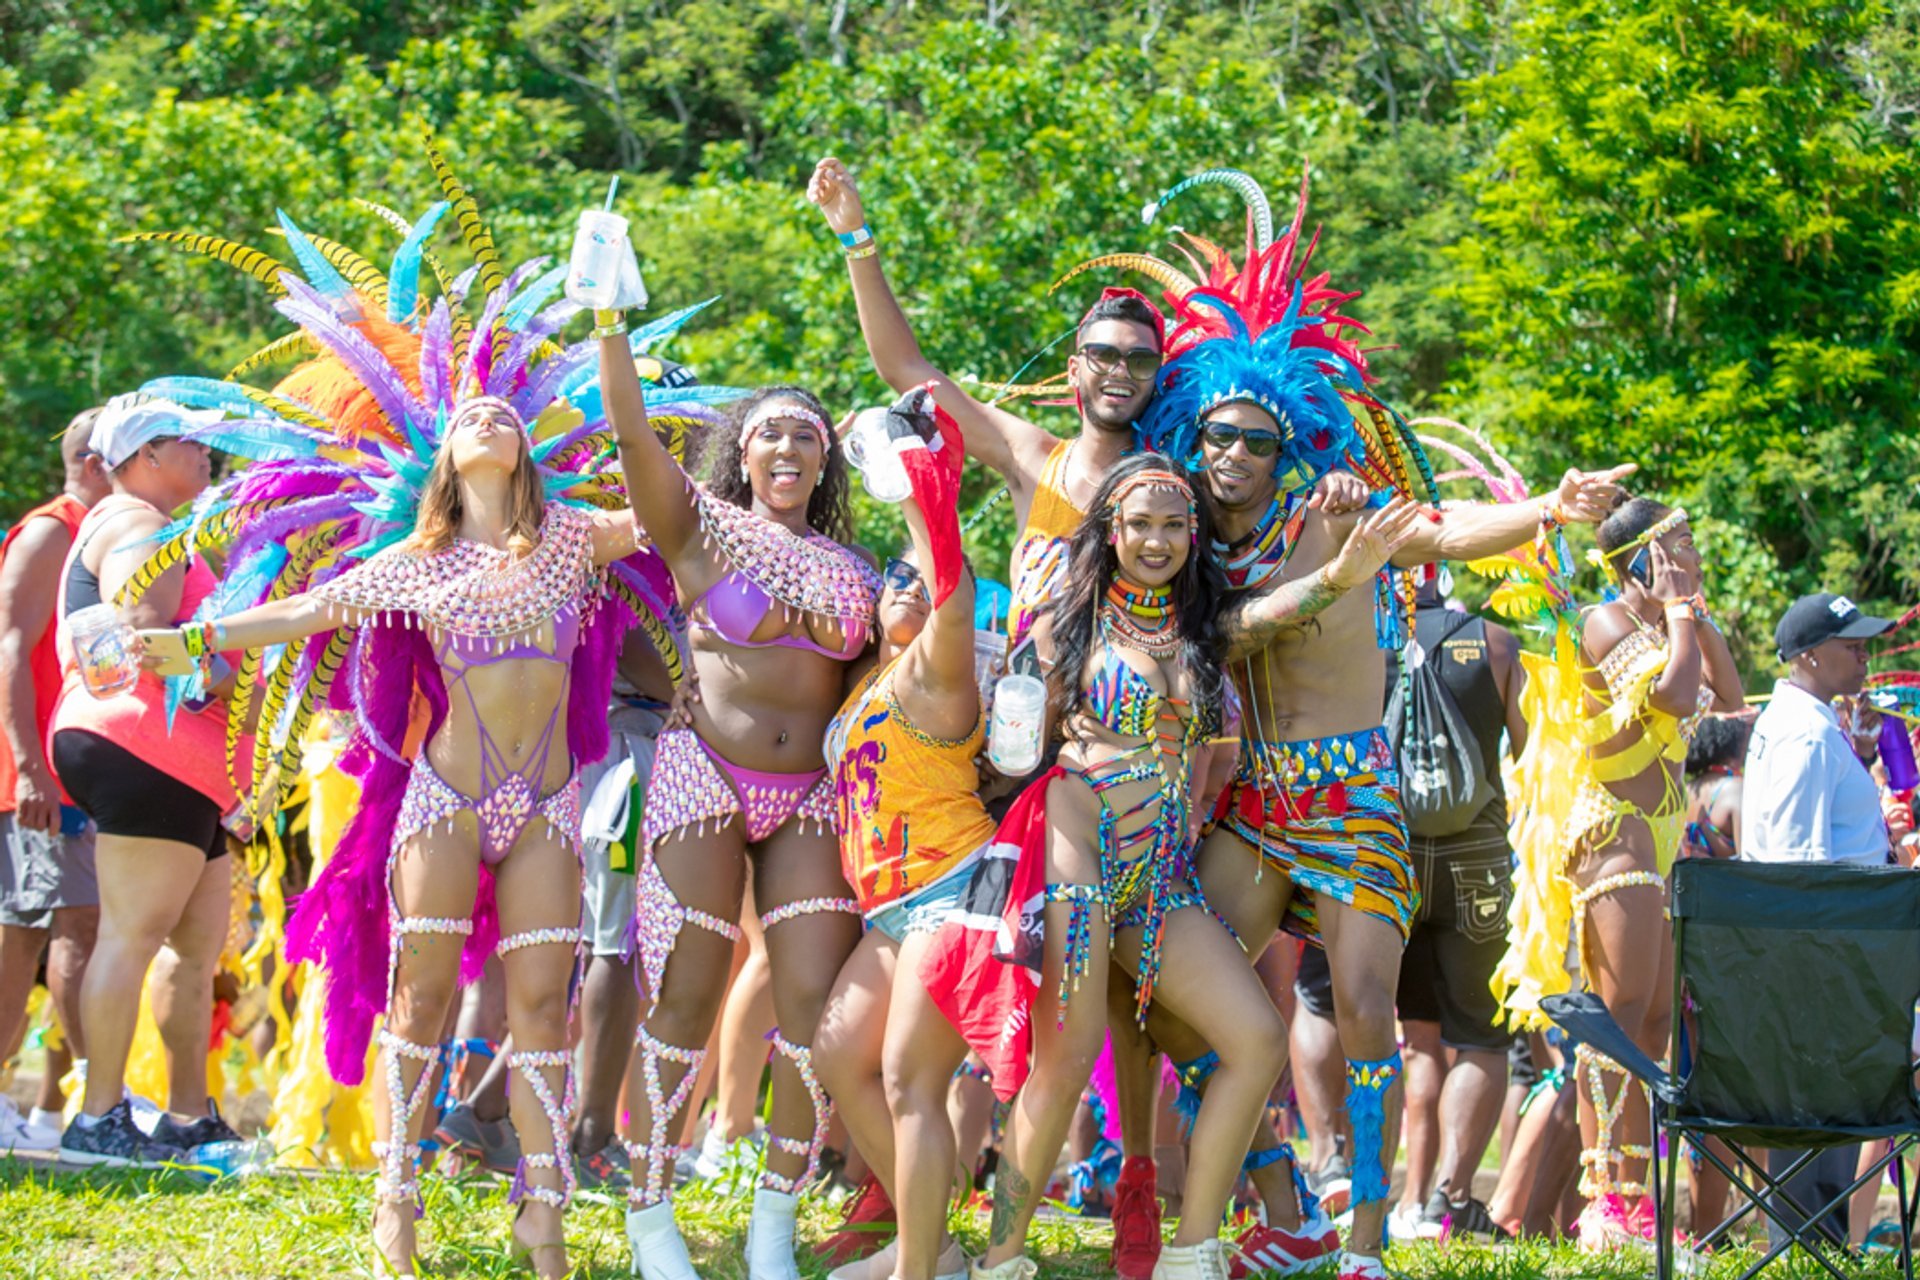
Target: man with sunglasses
1050 480
49 895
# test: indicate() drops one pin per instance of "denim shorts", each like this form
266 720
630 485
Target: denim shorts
924 910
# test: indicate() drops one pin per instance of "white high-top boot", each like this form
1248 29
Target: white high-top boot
659 1253
770 1236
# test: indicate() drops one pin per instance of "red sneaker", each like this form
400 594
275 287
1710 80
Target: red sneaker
1269 1250
1136 1220
869 1223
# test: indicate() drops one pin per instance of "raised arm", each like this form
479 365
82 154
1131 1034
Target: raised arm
277 622
1468 533
661 496
1251 624
1011 445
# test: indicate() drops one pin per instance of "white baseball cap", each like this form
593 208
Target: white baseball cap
131 420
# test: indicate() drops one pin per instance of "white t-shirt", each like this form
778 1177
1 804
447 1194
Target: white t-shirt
1806 797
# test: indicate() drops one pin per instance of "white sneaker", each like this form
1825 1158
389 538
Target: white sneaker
17 1135
1204 1261
770 1236
1017 1268
659 1252
1403 1224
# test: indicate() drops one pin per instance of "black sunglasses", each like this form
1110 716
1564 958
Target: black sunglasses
1141 362
1260 442
902 576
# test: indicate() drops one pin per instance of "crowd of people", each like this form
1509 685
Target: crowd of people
657 761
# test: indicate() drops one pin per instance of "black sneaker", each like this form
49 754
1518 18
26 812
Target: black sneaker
1469 1217
604 1170
208 1128
117 1143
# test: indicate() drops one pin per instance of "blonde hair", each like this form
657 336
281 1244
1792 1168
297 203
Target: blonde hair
438 522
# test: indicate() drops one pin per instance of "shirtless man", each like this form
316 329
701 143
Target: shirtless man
1316 796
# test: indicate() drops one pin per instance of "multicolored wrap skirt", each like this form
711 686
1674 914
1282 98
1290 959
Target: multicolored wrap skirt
1326 812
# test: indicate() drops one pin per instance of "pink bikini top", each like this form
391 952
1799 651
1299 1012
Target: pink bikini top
734 607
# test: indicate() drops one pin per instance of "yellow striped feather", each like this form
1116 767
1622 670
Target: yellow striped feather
466 211
279 685
657 633
324 671
296 343
263 267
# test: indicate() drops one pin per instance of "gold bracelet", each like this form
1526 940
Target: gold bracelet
609 324
865 249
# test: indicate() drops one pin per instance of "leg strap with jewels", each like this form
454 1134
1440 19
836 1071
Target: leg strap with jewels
659 916
1082 898
1367 1085
652 1160
1303 1198
1597 1172
1605 885
802 1059
1193 1076
397 1181
534 1064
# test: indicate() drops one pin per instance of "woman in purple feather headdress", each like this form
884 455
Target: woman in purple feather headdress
429 515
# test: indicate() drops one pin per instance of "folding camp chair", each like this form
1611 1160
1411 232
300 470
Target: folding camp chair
1794 992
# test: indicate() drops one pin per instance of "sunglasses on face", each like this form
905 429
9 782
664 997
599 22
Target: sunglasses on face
1260 442
1141 362
901 576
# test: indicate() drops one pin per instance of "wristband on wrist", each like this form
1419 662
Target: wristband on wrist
863 234
1679 609
194 636
609 324
1552 515
866 249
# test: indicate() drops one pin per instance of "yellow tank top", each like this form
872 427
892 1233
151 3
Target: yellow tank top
908 802
1040 554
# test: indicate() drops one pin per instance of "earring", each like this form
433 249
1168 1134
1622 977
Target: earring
743 471
1812 661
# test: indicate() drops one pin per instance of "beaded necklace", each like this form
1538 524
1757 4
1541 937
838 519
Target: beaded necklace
812 574
1266 548
1141 618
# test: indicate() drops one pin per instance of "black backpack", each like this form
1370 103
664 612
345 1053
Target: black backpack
1443 780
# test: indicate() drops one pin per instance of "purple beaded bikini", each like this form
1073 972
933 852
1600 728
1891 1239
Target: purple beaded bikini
768 566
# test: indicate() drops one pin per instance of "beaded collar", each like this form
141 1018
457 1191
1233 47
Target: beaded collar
1265 549
814 574
472 589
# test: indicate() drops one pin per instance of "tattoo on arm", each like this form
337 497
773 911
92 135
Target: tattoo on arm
1252 625
1010 1192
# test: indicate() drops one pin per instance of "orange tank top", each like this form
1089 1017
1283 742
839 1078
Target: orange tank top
909 805
1040 555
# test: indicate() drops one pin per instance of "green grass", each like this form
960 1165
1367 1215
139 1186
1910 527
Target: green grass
83 1226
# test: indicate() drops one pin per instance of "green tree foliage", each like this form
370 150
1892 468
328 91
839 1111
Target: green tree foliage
1696 251
1677 232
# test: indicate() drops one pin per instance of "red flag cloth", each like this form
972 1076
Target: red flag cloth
983 966
931 450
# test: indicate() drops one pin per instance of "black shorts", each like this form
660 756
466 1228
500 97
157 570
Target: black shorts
126 796
1313 984
1460 933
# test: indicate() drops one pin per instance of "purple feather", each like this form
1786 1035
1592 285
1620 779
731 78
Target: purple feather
510 370
436 360
480 358
555 370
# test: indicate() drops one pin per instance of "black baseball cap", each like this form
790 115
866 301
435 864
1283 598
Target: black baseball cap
1815 619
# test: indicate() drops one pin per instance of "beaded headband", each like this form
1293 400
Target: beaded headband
779 407
1154 478
1659 528
469 408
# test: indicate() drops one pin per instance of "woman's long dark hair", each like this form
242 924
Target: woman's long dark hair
827 509
1091 566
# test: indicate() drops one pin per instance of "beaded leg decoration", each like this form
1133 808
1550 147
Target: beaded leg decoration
652 1160
1367 1084
533 1064
1605 885
1079 946
802 1059
1193 1076
658 918
1598 1176
396 1182
1303 1197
